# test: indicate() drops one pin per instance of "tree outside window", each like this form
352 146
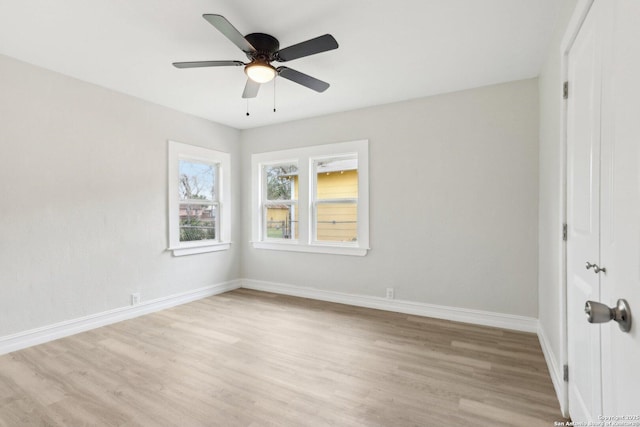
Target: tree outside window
198 201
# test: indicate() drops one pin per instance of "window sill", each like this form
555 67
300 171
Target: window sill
320 249
200 248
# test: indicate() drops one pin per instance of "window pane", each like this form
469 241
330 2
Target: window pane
281 181
197 180
197 222
337 178
337 222
281 222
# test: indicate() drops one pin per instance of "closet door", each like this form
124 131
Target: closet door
603 215
620 217
583 217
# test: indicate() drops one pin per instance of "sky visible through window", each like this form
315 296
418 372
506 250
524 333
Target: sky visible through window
197 180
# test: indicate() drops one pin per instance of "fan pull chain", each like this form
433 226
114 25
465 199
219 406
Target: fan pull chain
248 107
274 95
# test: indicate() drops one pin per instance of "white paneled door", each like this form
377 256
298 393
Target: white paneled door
583 217
603 210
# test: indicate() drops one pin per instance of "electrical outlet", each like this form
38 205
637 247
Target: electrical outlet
390 293
135 298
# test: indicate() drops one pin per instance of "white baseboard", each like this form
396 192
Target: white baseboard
556 371
478 317
48 333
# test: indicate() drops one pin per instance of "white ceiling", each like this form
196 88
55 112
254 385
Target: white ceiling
389 50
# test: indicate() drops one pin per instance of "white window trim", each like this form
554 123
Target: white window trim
304 157
179 151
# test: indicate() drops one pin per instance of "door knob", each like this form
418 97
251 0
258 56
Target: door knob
595 267
600 313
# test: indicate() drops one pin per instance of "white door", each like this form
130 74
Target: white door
583 218
603 211
620 214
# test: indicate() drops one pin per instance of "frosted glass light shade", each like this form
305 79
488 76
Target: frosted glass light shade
260 72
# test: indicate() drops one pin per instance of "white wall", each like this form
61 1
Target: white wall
83 209
454 211
83 183
550 274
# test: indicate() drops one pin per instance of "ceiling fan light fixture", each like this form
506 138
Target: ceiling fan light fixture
260 72
261 49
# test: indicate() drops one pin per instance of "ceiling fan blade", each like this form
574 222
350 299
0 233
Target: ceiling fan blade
309 47
229 31
251 89
198 64
303 79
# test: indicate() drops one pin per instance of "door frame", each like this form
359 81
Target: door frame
578 17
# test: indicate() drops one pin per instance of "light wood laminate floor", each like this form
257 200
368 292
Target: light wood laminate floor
247 358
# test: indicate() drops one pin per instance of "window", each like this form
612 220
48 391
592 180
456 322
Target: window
198 195
199 208
335 199
280 219
312 199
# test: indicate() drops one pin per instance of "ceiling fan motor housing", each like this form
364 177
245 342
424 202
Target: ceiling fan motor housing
266 46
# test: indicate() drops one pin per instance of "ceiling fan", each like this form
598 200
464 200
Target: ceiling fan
262 49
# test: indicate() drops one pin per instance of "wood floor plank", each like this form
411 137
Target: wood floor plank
248 358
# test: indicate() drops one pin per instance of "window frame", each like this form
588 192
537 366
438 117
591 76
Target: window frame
305 157
178 151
